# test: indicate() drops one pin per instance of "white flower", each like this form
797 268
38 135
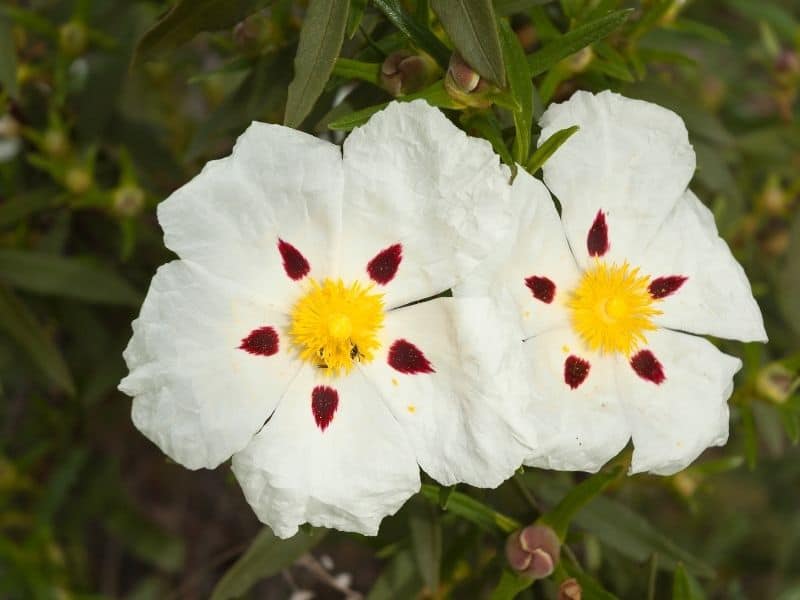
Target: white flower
609 295
284 336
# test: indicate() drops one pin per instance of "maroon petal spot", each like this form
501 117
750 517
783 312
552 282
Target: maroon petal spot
383 267
324 402
661 287
542 288
597 240
407 358
647 367
576 370
262 341
294 263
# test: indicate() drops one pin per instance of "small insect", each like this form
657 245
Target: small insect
354 353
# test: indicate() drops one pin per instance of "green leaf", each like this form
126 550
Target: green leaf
572 41
505 8
426 542
685 587
548 148
266 556
560 517
510 585
400 579
321 40
8 58
471 26
435 95
789 278
750 435
69 277
472 510
355 16
521 86
14 210
19 323
419 35
356 69
590 587
487 126
187 18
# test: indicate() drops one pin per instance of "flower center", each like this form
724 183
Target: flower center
335 325
612 307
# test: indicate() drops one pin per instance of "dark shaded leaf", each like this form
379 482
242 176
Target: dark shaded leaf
321 40
521 86
572 41
685 587
426 542
400 579
485 124
471 25
68 277
19 323
187 18
473 510
266 556
419 35
8 58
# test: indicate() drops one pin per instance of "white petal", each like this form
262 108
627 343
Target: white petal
413 178
197 395
465 417
673 422
278 184
537 255
716 298
578 429
348 476
631 159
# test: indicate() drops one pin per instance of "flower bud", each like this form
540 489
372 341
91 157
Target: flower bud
465 85
570 589
78 180
776 383
55 143
73 37
773 198
404 72
580 61
533 551
774 237
127 201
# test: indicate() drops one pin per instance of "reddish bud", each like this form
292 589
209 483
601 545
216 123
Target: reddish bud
570 589
465 85
533 551
403 72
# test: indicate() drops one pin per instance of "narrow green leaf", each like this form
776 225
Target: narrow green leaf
472 510
750 435
355 15
435 95
572 41
685 587
591 589
187 18
547 148
510 585
400 579
419 35
505 8
356 69
471 26
487 126
612 69
8 58
68 277
19 323
266 556
321 40
696 28
560 517
426 542
521 86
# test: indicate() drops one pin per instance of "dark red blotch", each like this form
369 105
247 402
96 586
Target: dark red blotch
262 342
661 287
383 267
597 240
407 358
542 288
576 370
324 402
647 367
294 263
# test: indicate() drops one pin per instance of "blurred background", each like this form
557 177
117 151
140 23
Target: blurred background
106 106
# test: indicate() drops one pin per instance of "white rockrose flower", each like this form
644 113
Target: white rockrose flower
289 335
611 295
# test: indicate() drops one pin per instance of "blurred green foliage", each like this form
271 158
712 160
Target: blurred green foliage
106 106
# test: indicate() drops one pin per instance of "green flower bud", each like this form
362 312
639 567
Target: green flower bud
465 85
55 143
78 180
127 201
73 37
776 383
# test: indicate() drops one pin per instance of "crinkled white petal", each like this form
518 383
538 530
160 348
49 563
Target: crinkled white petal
349 476
672 423
196 394
538 248
279 183
716 299
631 159
415 179
578 429
468 420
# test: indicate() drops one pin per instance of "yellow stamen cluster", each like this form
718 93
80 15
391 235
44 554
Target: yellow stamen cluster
334 325
612 308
